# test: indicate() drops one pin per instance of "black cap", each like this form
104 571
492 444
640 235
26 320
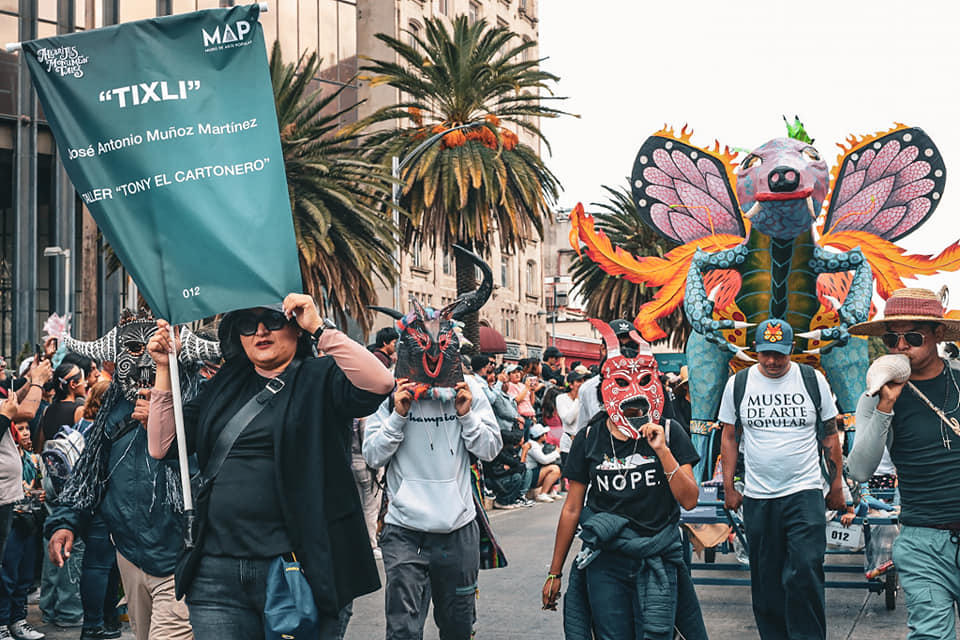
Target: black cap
552 352
479 362
573 376
621 326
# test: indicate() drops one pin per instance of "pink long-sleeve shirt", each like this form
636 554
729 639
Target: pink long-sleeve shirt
361 367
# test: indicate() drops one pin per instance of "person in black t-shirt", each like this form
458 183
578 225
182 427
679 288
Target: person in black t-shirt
629 475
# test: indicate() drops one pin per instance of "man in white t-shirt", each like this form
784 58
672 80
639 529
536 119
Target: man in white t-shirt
783 502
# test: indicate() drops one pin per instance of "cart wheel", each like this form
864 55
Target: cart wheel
890 589
710 555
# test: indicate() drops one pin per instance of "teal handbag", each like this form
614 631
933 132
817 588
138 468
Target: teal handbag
290 611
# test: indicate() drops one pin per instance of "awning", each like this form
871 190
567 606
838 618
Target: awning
491 341
586 350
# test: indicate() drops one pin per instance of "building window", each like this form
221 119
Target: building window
506 327
505 272
413 33
474 13
415 260
532 288
444 7
447 264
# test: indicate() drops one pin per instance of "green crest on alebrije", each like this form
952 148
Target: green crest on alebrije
796 131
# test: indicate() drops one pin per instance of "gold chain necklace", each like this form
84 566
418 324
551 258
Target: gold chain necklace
945 421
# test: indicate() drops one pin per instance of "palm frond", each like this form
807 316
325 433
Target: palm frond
610 297
340 201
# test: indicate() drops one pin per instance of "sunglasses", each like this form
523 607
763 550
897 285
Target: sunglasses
892 338
247 323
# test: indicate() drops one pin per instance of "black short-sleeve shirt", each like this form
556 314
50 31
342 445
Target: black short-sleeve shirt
628 480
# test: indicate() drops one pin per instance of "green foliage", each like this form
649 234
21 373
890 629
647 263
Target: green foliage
470 182
340 201
610 297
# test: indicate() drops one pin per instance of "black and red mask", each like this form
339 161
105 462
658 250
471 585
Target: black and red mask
428 351
629 386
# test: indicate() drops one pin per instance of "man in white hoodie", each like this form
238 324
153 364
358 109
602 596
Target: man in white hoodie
430 537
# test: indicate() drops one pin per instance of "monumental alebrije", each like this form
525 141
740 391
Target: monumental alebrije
776 233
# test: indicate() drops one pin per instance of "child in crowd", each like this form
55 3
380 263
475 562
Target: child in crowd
542 467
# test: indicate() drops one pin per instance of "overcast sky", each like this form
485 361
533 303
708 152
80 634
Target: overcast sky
731 70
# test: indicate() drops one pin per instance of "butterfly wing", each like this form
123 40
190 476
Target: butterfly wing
684 192
886 184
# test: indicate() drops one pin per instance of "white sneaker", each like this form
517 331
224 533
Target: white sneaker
542 497
21 630
5 633
554 494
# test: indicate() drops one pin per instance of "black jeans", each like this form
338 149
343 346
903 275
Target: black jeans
6 521
787 539
446 564
227 598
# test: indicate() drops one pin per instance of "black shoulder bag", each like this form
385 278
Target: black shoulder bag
195 522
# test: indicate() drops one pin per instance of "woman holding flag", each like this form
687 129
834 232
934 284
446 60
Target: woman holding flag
285 485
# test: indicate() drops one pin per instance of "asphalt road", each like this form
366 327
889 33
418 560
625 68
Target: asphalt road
509 604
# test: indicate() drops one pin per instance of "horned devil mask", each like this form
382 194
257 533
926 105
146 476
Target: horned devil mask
126 346
428 351
629 383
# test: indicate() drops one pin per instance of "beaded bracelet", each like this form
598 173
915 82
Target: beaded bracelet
673 473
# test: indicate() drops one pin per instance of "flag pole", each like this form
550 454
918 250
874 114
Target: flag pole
181 432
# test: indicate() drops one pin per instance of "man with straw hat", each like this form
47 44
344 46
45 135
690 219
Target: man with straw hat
917 419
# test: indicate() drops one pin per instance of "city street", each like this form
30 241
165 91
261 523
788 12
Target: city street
509 604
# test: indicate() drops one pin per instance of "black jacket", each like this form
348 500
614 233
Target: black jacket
319 500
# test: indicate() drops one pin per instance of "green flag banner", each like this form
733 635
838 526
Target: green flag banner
167 128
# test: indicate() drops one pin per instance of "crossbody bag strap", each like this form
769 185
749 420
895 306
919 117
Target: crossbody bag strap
242 418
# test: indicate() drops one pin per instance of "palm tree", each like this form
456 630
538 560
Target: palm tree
340 201
478 179
609 297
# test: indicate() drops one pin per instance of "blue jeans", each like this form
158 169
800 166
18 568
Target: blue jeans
227 598
16 577
616 607
99 559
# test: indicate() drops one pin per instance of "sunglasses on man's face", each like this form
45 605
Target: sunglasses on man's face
247 323
892 338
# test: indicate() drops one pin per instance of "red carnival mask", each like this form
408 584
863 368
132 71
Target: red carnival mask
628 383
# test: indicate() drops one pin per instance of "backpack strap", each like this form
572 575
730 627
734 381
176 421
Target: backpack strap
739 389
809 375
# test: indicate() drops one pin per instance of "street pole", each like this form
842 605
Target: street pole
66 284
396 167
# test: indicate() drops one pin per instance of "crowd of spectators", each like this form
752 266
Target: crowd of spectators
44 403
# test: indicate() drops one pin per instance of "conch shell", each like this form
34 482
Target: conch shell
889 368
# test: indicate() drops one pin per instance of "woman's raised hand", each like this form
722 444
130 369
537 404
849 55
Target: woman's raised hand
304 309
159 346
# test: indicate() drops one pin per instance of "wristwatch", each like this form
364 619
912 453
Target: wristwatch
327 323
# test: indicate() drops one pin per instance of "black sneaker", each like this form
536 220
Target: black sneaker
97 633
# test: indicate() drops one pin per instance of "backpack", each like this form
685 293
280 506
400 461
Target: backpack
809 376
60 454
